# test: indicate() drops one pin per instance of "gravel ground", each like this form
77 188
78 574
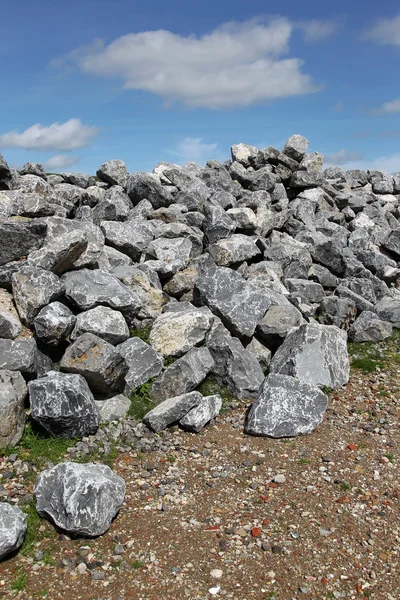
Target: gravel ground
224 515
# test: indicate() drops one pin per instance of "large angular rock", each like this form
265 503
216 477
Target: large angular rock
57 227
104 322
310 290
88 289
218 223
235 367
184 375
170 250
97 361
13 393
63 405
34 288
115 206
145 285
174 333
143 185
54 323
171 410
296 147
392 243
113 409
277 322
202 414
10 325
19 239
388 309
130 238
30 168
143 362
240 304
113 172
316 354
20 355
60 254
340 312
12 527
369 328
260 352
286 407
234 249
81 499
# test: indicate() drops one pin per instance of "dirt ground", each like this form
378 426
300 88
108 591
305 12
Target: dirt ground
224 515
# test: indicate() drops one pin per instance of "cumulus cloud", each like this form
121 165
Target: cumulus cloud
342 157
61 161
70 135
385 31
388 108
237 64
194 150
390 163
315 30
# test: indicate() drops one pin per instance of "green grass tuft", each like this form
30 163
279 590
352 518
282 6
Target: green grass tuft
143 333
141 403
211 386
19 584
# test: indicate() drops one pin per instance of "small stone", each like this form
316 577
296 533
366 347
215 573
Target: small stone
280 478
277 549
256 531
216 573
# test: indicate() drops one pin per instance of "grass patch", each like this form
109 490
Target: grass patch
389 456
143 333
211 386
367 356
326 390
33 522
138 564
345 486
141 403
169 361
19 584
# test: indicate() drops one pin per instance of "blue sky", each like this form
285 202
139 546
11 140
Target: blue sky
86 81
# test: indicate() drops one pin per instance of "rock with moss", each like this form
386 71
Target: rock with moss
12 528
81 499
63 405
13 393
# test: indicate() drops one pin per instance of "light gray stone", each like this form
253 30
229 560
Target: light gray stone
277 322
388 309
57 227
113 172
60 254
142 360
202 414
310 290
13 393
113 409
316 354
147 186
369 328
63 405
286 407
97 361
104 322
234 249
10 325
296 147
171 411
260 352
340 312
130 238
81 499
20 355
34 288
12 528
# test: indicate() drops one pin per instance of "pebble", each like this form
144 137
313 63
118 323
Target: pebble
216 573
280 478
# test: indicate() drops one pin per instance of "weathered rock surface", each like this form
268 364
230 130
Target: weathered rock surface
104 322
34 288
369 328
63 405
142 360
10 325
171 410
286 407
60 254
81 499
202 414
113 408
12 528
54 323
13 393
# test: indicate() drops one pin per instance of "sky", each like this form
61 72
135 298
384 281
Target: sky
87 81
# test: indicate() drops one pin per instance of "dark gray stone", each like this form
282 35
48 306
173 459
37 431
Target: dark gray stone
10 325
369 328
20 355
81 499
286 407
145 186
12 522
296 147
54 323
311 291
130 237
19 239
218 224
143 362
63 405
97 361
316 354
340 312
171 411
13 393
61 253
277 322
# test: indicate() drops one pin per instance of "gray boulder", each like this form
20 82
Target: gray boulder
10 325
277 322
54 323
174 333
171 411
63 405
12 526
234 249
61 253
392 243
316 354
30 168
310 290
388 309
20 355
143 185
202 414
340 312
113 409
113 172
218 223
142 360
97 361
19 239
104 322
57 227
286 407
240 304
296 147
81 499
34 288
260 352
183 376
130 238
13 393
369 328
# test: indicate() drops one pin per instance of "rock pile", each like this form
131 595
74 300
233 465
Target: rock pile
263 264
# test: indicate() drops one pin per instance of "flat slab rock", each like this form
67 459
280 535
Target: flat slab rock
202 414
171 411
286 407
81 499
316 354
12 528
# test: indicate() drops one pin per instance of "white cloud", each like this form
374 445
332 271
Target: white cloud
388 108
194 150
385 31
390 163
61 161
70 135
316 30
235 65
342 157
